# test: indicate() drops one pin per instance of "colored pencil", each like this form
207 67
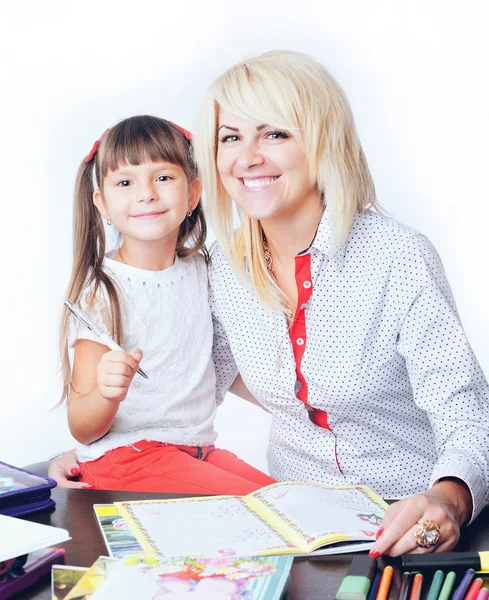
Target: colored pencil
405 584
446 589
417 585
474 589
464 585
372 593
385 583
483 594
435 586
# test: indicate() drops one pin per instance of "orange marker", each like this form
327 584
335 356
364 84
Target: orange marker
416 589
385 584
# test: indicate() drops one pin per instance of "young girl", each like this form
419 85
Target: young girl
150 294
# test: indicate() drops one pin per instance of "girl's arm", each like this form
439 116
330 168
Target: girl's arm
100 381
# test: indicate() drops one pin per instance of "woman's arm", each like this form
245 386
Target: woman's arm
239 388
450 387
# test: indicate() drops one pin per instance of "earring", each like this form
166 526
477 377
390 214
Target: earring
189 214
109 222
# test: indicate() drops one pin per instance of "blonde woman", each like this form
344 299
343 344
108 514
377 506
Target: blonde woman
339 320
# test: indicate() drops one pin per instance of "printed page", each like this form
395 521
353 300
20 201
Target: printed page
204 578
207 526
312 515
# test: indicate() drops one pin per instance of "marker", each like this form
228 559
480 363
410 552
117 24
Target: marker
464 585
416 589
483 594
447 586
356 583
385 583
435 586
479 561
474 589
405 583
374 588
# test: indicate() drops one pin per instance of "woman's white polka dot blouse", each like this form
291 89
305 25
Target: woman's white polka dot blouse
376 382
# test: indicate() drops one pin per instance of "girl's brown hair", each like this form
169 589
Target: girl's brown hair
132 141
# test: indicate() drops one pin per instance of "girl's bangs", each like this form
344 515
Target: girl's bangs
141 140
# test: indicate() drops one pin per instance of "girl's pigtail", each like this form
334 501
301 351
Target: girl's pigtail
87 272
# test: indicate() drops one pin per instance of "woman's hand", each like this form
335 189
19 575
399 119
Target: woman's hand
448 503
66 466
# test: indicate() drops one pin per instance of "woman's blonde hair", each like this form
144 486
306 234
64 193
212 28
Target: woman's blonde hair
132 141
290 91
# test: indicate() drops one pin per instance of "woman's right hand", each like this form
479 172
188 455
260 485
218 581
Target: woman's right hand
64 467
115 372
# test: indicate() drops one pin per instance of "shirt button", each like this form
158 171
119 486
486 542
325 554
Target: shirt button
303 306
299 341
307 284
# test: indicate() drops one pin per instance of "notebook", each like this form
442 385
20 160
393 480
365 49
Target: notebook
283 518
20 537
119 539
199 578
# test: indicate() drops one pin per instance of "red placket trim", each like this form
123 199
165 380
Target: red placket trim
298 332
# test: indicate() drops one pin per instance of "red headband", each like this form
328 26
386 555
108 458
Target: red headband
96 144
186 133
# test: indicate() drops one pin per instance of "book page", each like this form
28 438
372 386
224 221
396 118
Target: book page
199 578
311 515
208 526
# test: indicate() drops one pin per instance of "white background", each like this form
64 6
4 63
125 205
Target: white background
417 77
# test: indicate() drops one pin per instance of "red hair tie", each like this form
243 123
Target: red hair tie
95 146
186 133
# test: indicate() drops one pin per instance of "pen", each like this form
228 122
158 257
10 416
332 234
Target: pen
372 593
102 335
479 561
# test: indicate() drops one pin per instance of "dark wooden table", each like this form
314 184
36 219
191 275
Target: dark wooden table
311 579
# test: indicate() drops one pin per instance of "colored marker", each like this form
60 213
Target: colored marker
446 589
479 561
435 586
474 589
464 585
385 583
483 594
416 589
405 584
356 583
372 593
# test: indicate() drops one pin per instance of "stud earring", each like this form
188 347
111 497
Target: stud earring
189 214
109 222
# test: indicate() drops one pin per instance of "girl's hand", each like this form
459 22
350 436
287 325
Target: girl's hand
66 466
115 372
448 502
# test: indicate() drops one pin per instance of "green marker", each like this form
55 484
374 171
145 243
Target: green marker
435 586
356 583
446 590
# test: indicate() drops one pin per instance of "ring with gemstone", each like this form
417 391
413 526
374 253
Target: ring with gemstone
427 534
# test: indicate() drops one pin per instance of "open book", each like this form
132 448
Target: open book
283 518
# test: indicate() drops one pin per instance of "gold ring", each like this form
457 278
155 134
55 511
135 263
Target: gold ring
427 534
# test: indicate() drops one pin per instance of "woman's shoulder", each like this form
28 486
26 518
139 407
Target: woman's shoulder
381 226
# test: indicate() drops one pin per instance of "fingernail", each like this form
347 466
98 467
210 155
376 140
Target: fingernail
74 471
374 553
87 486
380 531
